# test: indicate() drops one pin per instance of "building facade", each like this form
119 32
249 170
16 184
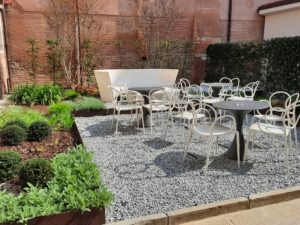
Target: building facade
204 22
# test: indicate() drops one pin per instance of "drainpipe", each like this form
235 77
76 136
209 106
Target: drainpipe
229 20
6 47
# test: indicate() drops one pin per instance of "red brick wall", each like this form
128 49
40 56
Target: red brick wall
205 23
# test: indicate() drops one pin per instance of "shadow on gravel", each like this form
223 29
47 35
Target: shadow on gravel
158 143
105 128
222 163
173 165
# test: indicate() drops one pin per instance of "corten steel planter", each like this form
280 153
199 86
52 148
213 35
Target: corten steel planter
94 217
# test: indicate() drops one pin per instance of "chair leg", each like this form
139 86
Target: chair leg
217 143
296 137
151 122
113 119
238 149
286 153
143 123
118 117
188 143
208 154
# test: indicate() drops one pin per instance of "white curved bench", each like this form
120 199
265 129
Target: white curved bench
133 78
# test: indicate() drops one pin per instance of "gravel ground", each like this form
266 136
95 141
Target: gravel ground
147 174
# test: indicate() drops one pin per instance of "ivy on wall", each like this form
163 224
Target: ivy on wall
275 62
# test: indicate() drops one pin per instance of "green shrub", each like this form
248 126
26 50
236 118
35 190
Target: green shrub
76 185
12 135
268 61
77 179
38 131
9 164
48 94
16 112
60 116
30 94
85 103
17 122
70 94
36 172
24 94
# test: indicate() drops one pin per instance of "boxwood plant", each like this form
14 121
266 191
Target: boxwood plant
76 185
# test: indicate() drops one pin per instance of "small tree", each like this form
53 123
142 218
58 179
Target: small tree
33 53
72 22
88 60
156 20
54 59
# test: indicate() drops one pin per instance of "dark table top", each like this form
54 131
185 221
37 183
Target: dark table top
241 105
146 90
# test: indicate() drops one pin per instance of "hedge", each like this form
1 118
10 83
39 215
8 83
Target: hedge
275 62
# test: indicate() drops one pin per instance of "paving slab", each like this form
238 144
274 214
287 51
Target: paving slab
283 213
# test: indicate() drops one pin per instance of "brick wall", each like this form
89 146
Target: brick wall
202 26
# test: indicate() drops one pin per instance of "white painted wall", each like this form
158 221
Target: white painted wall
282 24
133 78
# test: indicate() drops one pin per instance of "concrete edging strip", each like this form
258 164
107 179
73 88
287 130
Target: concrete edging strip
207 210
156 219
267 198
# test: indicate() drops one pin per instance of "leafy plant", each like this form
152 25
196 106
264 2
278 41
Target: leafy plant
76 185
17 122
33 53
70 94
12 135
9 164
24 95
48 94
88 91
86 103
77 179
38 131
88 64
54 54
16 112
36 172
268 61
60 115
36 94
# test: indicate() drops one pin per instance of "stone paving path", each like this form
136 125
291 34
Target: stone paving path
284 213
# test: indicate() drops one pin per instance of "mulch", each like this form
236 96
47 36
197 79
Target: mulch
57 142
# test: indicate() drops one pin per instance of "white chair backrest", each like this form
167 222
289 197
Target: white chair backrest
279 95
235 82
225 80
209 113
250 89
290 114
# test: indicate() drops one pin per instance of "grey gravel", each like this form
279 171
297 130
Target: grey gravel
147 174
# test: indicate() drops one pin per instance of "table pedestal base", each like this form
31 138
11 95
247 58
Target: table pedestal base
239 116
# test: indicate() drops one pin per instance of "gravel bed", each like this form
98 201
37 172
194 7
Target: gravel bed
147 175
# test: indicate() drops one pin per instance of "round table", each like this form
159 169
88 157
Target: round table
239 109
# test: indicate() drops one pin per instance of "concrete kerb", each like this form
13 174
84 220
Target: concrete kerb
214 209
267 198
156 219
207 210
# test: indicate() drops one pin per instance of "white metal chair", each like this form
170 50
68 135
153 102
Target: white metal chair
208 98
194 92
211 126
246 93
286 123
159 102
275 112
235 83
125 100
183 84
